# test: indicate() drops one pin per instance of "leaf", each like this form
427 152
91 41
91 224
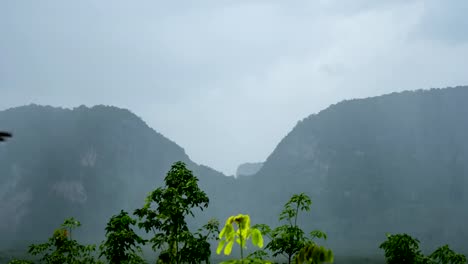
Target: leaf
240 236
257 238
228 248
220 246
318 234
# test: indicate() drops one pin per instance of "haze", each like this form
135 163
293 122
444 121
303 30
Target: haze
226 79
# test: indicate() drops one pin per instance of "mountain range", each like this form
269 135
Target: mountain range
392 163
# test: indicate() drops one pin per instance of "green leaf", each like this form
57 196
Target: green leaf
228 248
318 234
220 246
240 236
257 238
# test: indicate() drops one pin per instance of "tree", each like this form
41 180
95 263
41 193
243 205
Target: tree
289 238
165 210
445 255
121 246
401 249
314 254
199 248
62 249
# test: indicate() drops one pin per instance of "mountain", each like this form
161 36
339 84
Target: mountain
248 169
84 162
392 163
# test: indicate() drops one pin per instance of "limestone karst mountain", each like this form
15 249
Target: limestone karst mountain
392 163
248 169
86 162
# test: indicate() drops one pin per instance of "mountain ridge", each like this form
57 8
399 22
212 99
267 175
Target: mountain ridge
371 166
377 161
80 162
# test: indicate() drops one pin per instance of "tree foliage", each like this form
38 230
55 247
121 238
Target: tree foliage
199 248
445 255
314 254
289 239
165 210
122 243
62 249
402 248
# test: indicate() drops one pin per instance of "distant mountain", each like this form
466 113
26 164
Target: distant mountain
87 162
392 163
248 169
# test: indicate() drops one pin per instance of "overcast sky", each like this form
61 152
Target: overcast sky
226 80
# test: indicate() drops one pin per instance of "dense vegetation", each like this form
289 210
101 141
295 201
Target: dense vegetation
163 217
404 249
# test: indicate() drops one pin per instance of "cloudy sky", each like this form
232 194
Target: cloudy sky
226 80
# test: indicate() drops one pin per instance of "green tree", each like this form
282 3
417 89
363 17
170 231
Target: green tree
289 239
121 245
445 255
70 224
402 249
62 249
314 254
165 210
198 249
229 235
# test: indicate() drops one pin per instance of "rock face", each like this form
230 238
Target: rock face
248 169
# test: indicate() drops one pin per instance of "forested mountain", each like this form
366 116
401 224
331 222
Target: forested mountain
87 162
393 163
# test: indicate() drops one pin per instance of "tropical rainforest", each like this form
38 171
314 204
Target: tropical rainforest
365 180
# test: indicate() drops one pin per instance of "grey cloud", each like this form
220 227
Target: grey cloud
444 21
239 74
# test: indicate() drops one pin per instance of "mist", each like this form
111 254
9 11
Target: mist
240 72
360 106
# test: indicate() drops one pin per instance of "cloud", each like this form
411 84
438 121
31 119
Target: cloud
226 79
444 21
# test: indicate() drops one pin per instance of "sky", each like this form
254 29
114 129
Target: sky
226 80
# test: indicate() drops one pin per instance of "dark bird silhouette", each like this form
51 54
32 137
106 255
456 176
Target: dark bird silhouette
4 135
